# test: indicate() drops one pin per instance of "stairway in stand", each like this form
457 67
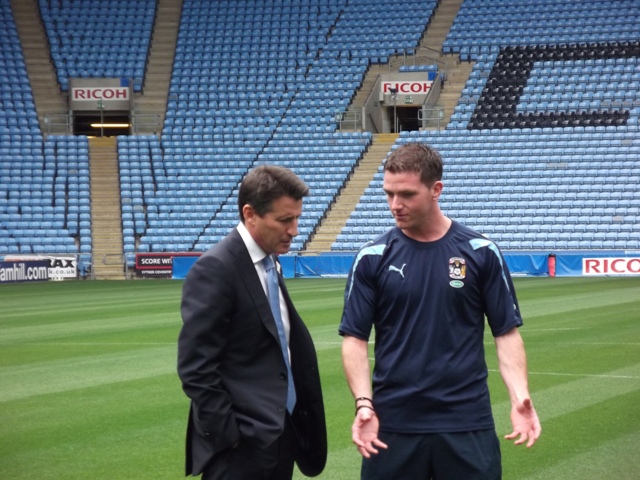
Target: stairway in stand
106 216
337 217
51 104
429 47
457 73
150 106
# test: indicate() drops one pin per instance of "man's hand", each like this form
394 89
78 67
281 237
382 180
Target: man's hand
365 432
525 422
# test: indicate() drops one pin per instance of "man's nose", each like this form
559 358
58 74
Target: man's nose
293 229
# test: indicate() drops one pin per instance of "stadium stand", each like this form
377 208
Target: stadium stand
546 122
99 39
290 76
44 187
526 180
542 150
486 26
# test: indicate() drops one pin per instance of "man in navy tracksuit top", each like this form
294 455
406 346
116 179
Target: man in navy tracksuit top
425 287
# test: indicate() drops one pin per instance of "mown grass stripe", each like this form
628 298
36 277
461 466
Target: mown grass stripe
23 381
616 459
570 303
120 324
575 394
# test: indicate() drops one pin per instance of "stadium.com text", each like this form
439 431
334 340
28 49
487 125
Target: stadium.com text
19 272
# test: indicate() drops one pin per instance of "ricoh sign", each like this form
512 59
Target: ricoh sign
410 87
89 94
100 94
611 266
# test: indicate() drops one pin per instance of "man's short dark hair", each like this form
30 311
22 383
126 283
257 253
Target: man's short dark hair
418 158
266 183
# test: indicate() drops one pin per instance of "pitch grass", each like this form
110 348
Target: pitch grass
88 387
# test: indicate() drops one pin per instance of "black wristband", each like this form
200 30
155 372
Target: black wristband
364 406
364 398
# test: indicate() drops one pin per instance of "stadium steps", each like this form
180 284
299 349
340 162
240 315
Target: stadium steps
456 73
152 101
428 50
440 24
337 217
452 89
47 97
368 82
106 214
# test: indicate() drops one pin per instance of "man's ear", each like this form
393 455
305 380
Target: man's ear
436 190
248 213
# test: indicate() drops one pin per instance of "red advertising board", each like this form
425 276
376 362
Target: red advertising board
80 94
158 264
415 87
611 266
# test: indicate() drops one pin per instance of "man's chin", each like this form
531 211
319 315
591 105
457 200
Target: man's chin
400 222
284 248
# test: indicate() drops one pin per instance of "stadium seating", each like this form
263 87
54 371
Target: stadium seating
99 38
483 26
47 209
542 150
290 78
533 187
44 185
161 194
539 119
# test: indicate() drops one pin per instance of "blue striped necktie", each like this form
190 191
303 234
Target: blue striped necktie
274 301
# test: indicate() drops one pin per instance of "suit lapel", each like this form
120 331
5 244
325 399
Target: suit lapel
249 277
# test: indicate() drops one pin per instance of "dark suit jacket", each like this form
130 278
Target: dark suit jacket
231 365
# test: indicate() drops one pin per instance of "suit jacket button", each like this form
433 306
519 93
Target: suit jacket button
281 408
283 376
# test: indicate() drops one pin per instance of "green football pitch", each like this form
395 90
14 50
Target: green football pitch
88 384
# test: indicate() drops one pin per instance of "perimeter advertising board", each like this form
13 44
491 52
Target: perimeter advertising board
158 264
24 271
611 266
59 268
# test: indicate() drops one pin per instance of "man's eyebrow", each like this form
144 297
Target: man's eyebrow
400 192
287 217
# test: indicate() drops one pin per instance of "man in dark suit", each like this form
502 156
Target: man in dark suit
243 422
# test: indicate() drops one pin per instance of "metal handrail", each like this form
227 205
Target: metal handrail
65 120
137 123
119 259
373 124
427 115
348 118
58 120
421 55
